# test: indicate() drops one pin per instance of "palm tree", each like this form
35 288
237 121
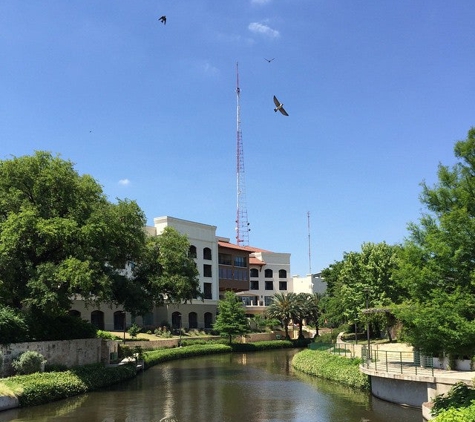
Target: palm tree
283 308
313 311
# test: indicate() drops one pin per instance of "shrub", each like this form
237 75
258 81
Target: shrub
134 330
337 368
28 363
460 395
43 388
106 335
154 357
453 414
13 327
45 327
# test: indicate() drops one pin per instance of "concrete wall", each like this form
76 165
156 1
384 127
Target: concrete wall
403 392
67 352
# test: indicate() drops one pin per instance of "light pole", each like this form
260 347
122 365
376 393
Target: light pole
123 322
368 353
179 327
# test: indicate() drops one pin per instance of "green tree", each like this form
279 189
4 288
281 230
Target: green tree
283 308
437 264
231 319
164 274
60 236
368 273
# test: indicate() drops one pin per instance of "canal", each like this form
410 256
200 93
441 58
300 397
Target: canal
248 387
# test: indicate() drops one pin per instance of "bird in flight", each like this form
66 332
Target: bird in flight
269 60
279 106
163 19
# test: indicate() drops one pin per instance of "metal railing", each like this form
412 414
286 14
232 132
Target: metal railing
409 362
398 362
343 349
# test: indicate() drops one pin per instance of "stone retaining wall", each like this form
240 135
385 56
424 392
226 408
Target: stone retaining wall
66 352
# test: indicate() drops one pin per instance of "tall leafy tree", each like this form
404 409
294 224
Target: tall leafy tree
231 319
165 273
60 236
438 257
367 274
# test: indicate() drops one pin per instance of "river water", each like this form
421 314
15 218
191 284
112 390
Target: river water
248 387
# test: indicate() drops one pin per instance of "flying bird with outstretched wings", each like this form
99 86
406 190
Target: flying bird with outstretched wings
163 19
279 106
269 60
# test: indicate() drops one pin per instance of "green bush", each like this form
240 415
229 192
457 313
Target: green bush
462 414
13 327
337 368
41 388
262 345
460 395
153 357
134 330
28 362
106 335
45 327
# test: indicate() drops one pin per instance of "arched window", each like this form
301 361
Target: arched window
73 312
268 273
282 274
97 319
119 320
206 253
208 320
254 272
192 251
192 320
176 320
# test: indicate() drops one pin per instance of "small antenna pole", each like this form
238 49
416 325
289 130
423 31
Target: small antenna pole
309 251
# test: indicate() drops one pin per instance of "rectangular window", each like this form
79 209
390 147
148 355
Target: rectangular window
207 293
240 261
254 285
225 259
207 270
269 285
282 285
267 300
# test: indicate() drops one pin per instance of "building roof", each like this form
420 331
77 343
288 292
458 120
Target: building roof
232 246
254 261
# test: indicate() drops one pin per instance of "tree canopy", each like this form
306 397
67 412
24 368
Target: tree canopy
438 260
361 277
231 319
60 236
165 273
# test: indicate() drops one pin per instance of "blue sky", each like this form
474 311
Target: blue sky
377 93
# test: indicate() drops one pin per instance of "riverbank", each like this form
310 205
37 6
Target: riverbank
42 388
341 369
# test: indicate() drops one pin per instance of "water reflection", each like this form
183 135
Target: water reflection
224 388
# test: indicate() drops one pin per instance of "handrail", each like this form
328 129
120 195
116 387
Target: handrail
397 361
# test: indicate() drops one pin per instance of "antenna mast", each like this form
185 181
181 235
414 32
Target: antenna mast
309 253
242 225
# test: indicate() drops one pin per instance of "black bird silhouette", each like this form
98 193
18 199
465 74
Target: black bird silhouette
269 60
163 19
279 106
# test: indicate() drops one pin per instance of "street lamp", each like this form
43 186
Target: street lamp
123 322
368 353
179 327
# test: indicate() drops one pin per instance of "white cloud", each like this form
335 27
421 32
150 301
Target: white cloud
124 182
208 69
260 28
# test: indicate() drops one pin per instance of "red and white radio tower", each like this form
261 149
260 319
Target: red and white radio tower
242 225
